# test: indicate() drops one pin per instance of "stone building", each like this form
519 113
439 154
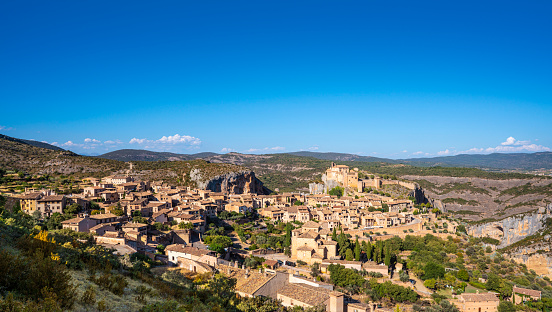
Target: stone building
312 244
520 295
487 302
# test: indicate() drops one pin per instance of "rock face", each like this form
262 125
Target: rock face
243 182
476 199
512 229
537 257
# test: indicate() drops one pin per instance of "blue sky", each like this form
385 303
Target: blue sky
393 79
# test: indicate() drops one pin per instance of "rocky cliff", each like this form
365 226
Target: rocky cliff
474 199
512 229
537 257
242 182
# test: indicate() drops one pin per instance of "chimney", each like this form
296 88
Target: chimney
336 302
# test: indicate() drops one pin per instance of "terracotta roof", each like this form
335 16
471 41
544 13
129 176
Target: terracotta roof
32 196
309 234
304 248
188 250
157 214
52 198
250 284
73 221
134 225
479 297
99 226
310 295
102 216
311 224
528 292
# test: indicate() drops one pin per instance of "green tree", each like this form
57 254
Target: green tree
430 283
357 250
336 191
463 275
186 225
315 269
349 255
343 243
493 282
118 212
506 306
433 270
218 243
73 209
387 256
368 251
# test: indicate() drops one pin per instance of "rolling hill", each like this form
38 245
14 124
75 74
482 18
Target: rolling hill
32 143
145 155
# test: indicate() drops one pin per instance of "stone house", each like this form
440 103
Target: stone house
188 257
307 296
49 205
520 295
312 243
79 224
486 302
29 202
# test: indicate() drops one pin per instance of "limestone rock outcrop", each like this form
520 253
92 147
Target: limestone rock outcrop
242 182
512 229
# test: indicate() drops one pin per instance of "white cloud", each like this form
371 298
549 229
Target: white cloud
509 141
89 140
511 145
266 149
313 148
517 148
137 141
71 143
445 152
227 150
111 142
404 151
6 128
178 139
418 153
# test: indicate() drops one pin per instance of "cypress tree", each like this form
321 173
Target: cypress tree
368 251
357 250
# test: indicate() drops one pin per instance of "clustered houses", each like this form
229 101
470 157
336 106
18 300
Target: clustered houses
347 213
123 200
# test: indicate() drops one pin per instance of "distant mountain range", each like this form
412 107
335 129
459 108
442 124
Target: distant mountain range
513 161
144 155
496 161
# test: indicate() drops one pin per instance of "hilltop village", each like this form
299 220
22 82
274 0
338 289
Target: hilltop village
348 245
